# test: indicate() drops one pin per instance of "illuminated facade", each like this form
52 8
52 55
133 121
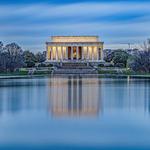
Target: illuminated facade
74 48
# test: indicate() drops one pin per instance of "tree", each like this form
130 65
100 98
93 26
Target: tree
3 60
40 57
146 45
140 62
10 57
29 59
14 55
1 56
120 57
1 45
109 56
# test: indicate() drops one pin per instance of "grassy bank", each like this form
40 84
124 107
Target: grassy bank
122 73
103 72
13 73
25 72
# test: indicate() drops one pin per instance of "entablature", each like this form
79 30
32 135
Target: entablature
74 43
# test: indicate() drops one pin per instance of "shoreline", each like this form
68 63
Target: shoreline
138 76
21 76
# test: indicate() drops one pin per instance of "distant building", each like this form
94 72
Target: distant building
74 49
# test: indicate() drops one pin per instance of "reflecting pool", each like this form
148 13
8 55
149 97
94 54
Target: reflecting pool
75 112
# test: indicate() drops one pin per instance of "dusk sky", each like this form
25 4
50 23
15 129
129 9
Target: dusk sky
30 23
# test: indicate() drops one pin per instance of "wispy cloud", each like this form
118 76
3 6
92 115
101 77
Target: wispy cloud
114 22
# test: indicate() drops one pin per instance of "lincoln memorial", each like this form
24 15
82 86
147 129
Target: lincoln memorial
74 49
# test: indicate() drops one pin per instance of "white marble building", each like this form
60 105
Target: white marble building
74 49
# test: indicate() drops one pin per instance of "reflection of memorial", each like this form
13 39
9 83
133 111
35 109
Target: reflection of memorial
74 96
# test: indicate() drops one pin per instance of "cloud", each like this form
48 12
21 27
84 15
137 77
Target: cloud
85 10
114 22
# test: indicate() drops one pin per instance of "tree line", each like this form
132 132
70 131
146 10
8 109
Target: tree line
137 62
13 57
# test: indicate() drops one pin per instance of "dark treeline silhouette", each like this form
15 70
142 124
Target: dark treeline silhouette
118 57
13 57
138 62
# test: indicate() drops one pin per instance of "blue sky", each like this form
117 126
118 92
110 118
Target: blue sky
30 23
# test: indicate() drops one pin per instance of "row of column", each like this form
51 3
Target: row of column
61 53
76 51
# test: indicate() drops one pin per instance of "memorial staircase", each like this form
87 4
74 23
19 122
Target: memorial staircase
74 68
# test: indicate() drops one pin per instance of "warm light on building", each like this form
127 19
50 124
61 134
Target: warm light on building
79 48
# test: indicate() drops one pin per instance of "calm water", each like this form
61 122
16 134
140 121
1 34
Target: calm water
74 113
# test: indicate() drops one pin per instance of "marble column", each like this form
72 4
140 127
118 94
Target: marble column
97 53
71 52
62 53
88 53
92 52
52 53
86 56
67 57
56 53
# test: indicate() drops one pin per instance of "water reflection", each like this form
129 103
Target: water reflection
122 95
42 113
18 95
75 96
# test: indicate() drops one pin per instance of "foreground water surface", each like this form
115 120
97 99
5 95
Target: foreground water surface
74 113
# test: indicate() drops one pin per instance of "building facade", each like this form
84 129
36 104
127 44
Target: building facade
74 49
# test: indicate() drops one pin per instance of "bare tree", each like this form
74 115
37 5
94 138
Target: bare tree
146 45
140 62
1 45
15 56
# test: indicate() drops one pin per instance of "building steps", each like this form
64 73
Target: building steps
75 71
74 68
